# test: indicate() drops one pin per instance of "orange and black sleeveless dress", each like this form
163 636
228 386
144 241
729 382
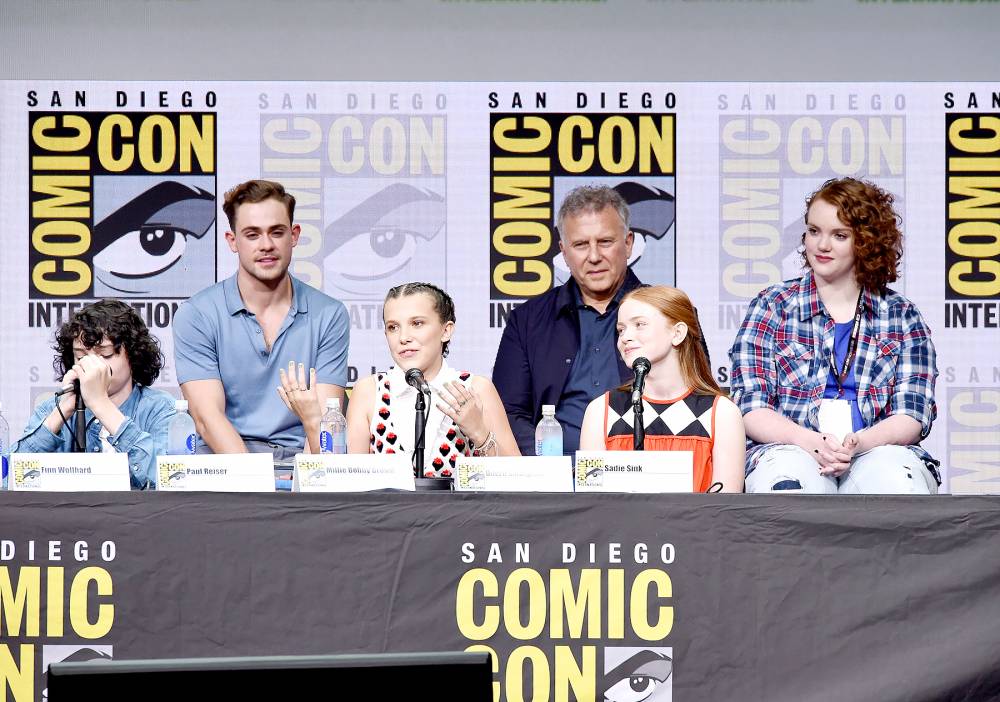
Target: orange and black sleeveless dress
685 423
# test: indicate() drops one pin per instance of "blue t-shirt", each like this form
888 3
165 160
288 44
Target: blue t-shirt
217 338
841 341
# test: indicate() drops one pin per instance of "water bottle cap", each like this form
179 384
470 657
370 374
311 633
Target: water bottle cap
548 409
181 405
333 403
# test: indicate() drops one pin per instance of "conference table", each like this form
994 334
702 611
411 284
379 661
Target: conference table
681 596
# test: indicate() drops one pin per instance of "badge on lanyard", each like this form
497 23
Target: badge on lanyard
835 418
835 414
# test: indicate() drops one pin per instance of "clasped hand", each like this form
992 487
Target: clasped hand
94 375
834 457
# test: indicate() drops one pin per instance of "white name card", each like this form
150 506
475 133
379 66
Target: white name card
634 471
221 472
69 472
352 472
514 474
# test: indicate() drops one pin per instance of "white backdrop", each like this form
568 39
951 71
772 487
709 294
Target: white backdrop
458 183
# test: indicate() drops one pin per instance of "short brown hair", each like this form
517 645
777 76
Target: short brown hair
867 210
256 191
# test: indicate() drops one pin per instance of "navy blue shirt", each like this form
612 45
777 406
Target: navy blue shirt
594 370
539 344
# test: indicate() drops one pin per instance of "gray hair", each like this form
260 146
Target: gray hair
591 199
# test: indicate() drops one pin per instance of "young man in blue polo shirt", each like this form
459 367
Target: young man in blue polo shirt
232 340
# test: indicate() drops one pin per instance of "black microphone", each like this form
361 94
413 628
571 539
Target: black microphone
640 367
81 419
415 377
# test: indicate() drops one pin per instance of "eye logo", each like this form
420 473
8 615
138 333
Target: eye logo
138 247
393 230
651 215
643 676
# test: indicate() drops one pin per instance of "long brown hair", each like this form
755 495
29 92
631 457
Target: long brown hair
675 305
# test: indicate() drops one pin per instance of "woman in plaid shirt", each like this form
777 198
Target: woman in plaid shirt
834 372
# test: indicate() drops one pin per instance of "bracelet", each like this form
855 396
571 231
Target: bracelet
484 448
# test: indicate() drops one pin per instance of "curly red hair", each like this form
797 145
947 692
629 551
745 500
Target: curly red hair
867 210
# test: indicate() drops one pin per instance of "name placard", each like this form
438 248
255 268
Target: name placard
69 472
634 471
514 474
351 472
222 472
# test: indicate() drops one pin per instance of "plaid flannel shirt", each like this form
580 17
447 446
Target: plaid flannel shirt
781 360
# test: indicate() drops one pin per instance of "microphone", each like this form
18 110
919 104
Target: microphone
640 367
415 377
80 428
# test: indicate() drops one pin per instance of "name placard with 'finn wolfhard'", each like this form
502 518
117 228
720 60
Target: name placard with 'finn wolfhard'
634 471
514 474
69 472
352 472
223 472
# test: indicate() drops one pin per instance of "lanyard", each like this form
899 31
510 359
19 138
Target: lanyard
852 348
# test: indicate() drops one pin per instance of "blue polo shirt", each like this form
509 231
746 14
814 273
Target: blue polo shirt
595 367
217 338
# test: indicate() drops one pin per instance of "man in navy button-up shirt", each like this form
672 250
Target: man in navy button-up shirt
559 348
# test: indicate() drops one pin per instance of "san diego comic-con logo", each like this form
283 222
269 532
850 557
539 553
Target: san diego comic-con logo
599 631
122 204
536 159
58 604
768 165
972 244
371 200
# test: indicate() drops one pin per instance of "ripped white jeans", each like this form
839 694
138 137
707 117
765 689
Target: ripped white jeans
887 470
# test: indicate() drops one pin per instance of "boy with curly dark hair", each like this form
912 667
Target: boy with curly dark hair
107 348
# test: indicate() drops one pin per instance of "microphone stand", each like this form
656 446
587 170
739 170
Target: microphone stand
638 427
80 414
420 423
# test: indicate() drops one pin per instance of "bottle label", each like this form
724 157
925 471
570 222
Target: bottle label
325 442
552 446
191 443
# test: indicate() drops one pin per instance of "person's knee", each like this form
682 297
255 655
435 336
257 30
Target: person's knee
889 470
788 468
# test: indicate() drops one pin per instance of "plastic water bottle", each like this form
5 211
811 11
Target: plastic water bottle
548 434
333 429
4 444
181 436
